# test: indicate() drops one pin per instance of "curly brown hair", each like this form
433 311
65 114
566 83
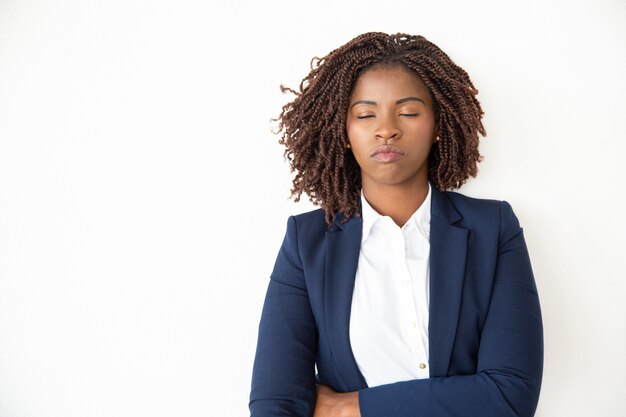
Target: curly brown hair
313 125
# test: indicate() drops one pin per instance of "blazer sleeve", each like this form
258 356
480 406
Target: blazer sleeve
283 376
510 356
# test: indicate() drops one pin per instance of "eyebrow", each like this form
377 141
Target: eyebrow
399 101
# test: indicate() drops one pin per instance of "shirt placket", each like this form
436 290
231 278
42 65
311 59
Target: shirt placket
416 338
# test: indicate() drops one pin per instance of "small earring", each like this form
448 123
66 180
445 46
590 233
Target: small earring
437 139
348 146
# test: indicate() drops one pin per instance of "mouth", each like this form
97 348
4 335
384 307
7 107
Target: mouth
387 153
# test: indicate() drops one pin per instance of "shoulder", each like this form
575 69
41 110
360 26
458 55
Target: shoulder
308 225
313 217
310 220
483 212
472 206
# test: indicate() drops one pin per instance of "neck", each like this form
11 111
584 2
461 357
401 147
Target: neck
398 201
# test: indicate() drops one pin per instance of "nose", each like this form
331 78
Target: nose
387 130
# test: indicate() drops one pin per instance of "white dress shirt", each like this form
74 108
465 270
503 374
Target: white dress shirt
389 316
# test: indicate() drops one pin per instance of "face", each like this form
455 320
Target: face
391 127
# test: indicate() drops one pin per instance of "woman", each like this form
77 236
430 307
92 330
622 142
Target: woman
408 300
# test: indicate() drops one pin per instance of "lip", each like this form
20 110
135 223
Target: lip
387 153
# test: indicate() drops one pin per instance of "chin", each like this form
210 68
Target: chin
391 181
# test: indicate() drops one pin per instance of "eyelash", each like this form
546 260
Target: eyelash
402 114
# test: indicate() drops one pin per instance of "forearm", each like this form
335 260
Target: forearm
333 404
481 394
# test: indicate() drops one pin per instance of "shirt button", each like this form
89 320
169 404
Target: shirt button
413 324
422 365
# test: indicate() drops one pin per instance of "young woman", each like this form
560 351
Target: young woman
397 297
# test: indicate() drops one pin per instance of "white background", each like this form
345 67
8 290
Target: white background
143 197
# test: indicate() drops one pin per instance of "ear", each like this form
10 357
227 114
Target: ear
436 137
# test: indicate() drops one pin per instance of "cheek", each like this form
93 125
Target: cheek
356 132
357 144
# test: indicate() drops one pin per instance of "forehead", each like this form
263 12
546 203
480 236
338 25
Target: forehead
385 80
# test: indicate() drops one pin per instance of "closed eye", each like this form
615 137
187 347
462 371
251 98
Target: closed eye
409 114
365 117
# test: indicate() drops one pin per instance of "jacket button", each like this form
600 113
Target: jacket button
422 365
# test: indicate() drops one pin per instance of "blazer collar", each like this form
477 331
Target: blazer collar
448 247
443 208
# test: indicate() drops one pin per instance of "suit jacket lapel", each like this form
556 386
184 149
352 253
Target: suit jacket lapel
343 243
448 249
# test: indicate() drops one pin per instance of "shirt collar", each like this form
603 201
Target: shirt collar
420 218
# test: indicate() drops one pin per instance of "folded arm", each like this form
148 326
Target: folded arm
509 363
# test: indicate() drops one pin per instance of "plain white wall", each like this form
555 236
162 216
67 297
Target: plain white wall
143 197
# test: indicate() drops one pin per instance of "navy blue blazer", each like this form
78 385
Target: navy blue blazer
485 328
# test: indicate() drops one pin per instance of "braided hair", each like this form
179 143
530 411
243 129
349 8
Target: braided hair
313 126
